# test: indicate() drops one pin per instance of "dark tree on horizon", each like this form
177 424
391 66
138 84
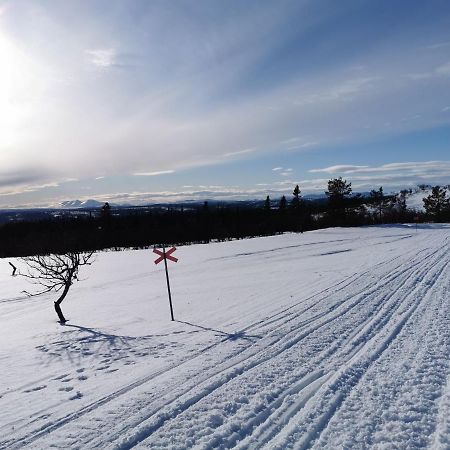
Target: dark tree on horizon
338 189
437 204
296 200
378 198
337 193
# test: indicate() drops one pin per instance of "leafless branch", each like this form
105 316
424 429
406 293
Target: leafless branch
54 272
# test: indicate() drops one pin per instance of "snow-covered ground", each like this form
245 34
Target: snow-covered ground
337 338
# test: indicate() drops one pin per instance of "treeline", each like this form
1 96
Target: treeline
139 229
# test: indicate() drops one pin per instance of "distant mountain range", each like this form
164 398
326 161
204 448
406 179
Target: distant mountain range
72 204
91 203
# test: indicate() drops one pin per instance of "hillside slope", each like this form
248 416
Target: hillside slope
336 338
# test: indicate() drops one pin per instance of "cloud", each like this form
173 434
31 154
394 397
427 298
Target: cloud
276 169
291 140
23 189
444 69
438 45
102 58
393 173
339 169
420 76
345 90
306 145
297 143
153 174
26 180
240 152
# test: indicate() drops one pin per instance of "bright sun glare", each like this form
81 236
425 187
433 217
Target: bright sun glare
18 90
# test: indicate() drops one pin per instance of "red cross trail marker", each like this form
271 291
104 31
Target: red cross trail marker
167 255
164 256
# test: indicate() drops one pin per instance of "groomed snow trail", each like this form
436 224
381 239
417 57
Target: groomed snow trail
356 360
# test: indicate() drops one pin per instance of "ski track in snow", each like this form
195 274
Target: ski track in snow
360 363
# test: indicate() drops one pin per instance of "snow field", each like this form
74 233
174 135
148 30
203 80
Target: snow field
332 339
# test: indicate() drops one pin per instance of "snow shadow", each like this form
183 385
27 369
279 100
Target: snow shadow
277 249
104 351
334 252
227 336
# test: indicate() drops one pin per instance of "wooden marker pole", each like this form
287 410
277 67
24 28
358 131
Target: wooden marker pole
168 283
163 255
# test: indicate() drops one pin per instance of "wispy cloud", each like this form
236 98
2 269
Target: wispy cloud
18 190
153 174
290 140
444 69
102 58
438 45
340 169
397 171
345 90
284 172
240 152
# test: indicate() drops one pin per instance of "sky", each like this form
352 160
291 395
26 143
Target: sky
150 100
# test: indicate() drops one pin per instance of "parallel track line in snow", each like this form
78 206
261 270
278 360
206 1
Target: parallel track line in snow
284 316
208 390
275 318
374 322
340 385
283 337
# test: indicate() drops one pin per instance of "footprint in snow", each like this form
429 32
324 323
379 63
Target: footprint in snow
60 377
37 388
76 396
66 389
82 377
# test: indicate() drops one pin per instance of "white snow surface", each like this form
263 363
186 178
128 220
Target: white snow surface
336 339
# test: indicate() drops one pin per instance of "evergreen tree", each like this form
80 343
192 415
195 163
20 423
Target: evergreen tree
296 200
437 203
282 205
267 204
338 189
379 199
105 215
